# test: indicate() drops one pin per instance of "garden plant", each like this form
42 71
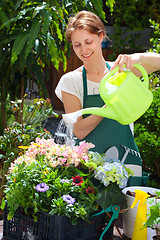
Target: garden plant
25 126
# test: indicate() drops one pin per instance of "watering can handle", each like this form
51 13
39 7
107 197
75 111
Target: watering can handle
137 65
144 73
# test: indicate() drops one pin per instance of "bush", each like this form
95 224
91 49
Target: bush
147 135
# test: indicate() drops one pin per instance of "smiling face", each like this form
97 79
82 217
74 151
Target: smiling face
86 45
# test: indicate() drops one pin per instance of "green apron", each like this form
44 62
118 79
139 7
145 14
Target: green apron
109 133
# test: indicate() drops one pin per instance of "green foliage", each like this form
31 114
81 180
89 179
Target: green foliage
153 220
135 16
24 127
147 135
155 40
32 37
147 128
108 196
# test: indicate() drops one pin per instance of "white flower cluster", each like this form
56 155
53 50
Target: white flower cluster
112 171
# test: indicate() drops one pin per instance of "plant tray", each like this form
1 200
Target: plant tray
52 227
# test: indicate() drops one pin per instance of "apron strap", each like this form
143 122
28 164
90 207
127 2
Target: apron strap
85 92
84 85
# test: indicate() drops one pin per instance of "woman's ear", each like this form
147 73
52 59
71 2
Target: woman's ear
101 36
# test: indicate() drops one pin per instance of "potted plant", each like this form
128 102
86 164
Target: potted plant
153 220
64 181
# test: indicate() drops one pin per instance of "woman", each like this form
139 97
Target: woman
80 88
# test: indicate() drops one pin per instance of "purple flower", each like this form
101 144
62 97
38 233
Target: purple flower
42 187
68 199
64 180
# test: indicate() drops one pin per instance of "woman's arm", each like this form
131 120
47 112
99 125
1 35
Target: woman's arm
83 126
149 60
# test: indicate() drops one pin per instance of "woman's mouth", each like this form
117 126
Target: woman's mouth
87 55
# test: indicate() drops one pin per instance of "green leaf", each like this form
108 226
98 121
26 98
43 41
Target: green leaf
3 203
1 156
53 211
98 5
53 51
35 28
111 195
4 18
10 215
18 3
64 60
39 8
58 31
110 4
47 20
18 46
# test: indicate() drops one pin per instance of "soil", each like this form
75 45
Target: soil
156 238
130 193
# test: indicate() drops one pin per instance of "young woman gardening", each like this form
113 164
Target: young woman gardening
80 88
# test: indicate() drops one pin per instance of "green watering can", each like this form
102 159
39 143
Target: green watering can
126 97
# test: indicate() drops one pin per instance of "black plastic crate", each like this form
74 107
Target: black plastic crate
52 227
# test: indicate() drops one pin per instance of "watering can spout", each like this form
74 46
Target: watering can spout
71 118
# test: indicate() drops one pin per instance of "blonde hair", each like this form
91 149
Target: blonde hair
87 21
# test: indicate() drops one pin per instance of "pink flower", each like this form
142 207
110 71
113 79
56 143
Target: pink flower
61 161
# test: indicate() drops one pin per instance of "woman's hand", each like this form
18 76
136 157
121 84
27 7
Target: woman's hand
149 60
83 126
128 59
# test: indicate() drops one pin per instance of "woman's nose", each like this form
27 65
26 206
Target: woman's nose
84 48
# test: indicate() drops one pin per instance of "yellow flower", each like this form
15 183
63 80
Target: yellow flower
14 180
23 147
37 145
20 154
45 172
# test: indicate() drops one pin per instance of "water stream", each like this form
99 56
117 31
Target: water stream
64 134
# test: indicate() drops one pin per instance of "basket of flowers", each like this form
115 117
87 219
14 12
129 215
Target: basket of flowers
52 189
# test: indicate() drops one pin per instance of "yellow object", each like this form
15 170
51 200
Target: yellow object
141 216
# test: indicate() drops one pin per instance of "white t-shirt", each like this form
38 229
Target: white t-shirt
72 82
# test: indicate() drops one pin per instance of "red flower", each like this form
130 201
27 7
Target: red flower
77 180
89 190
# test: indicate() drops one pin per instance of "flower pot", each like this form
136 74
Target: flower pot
130 215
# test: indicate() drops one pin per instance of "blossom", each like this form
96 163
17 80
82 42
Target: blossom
23 147
69 173
64 181
42 187
77 180
112 171
123 183
68 199
89 190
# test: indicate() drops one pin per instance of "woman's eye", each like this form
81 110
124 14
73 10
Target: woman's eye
88 42
76 45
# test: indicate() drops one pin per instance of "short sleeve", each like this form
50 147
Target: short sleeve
70 82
